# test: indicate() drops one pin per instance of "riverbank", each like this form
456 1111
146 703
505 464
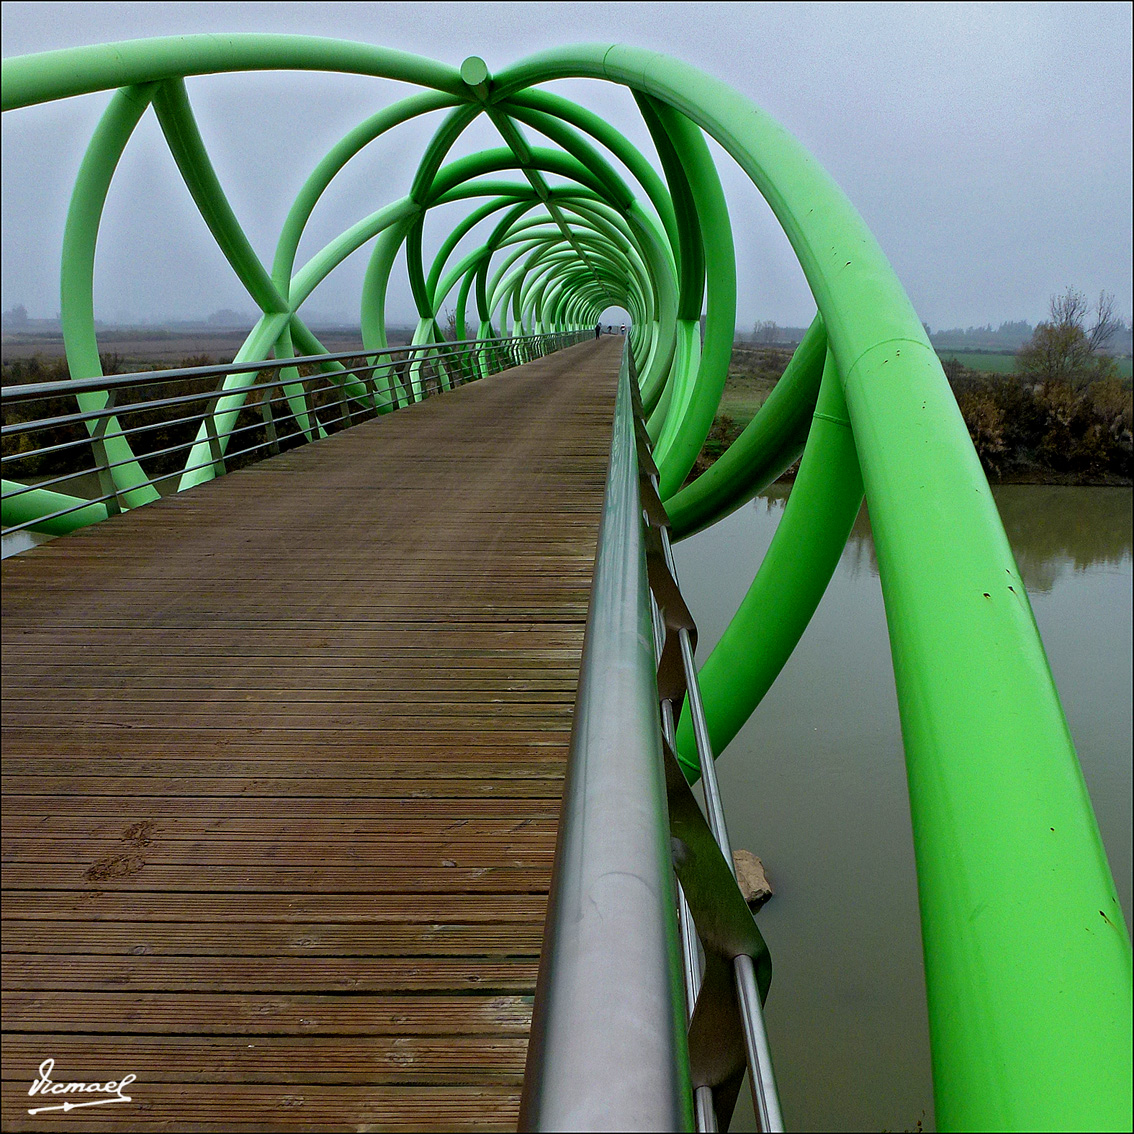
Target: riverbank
1056 436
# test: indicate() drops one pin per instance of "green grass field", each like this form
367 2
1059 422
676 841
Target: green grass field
740 404
1006 363
978 360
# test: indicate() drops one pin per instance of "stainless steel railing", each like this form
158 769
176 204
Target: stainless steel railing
636 1025
607 1048
765 1097
57 472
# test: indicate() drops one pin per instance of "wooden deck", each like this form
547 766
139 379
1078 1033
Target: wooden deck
282 767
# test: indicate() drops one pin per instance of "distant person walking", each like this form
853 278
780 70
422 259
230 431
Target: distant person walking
598 330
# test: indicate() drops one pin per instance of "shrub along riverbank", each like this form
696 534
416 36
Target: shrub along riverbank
1049 433
1024 433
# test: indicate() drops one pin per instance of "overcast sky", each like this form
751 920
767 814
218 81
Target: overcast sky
987 146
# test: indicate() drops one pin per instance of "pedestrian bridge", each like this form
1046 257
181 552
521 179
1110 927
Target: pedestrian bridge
347 752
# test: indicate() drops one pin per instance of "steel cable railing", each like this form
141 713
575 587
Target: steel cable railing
48 484
765 1096
710 1113
619 1039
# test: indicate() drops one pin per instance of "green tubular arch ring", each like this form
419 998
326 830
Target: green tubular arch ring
80 238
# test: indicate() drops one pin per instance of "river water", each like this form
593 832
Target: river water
815 785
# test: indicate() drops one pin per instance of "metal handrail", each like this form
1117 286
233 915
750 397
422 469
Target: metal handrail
463 361
177 374
608 1048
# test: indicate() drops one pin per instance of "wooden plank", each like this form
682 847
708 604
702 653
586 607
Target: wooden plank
147 973
256 1014
131 871
447 763
325 787
276 1059
101 742
396 827
373 853
265 1109
90 905
130 809
395 684
271 939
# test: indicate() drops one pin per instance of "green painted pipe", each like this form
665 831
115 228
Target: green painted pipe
30 507
691 418
770 443
80 238
799 563
325 171
1029 1015
171 104
552 107
51 75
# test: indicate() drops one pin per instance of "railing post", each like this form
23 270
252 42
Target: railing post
371 386
344 404
269 421
215 450
400 375
106 485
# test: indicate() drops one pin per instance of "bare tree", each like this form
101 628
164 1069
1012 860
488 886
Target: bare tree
1066 351
765 331
1073 309
1106 324
1069 309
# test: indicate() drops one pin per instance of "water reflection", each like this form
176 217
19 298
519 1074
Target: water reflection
859 553
1054 530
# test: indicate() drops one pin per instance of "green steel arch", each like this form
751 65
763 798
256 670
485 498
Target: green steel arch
1029 1006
